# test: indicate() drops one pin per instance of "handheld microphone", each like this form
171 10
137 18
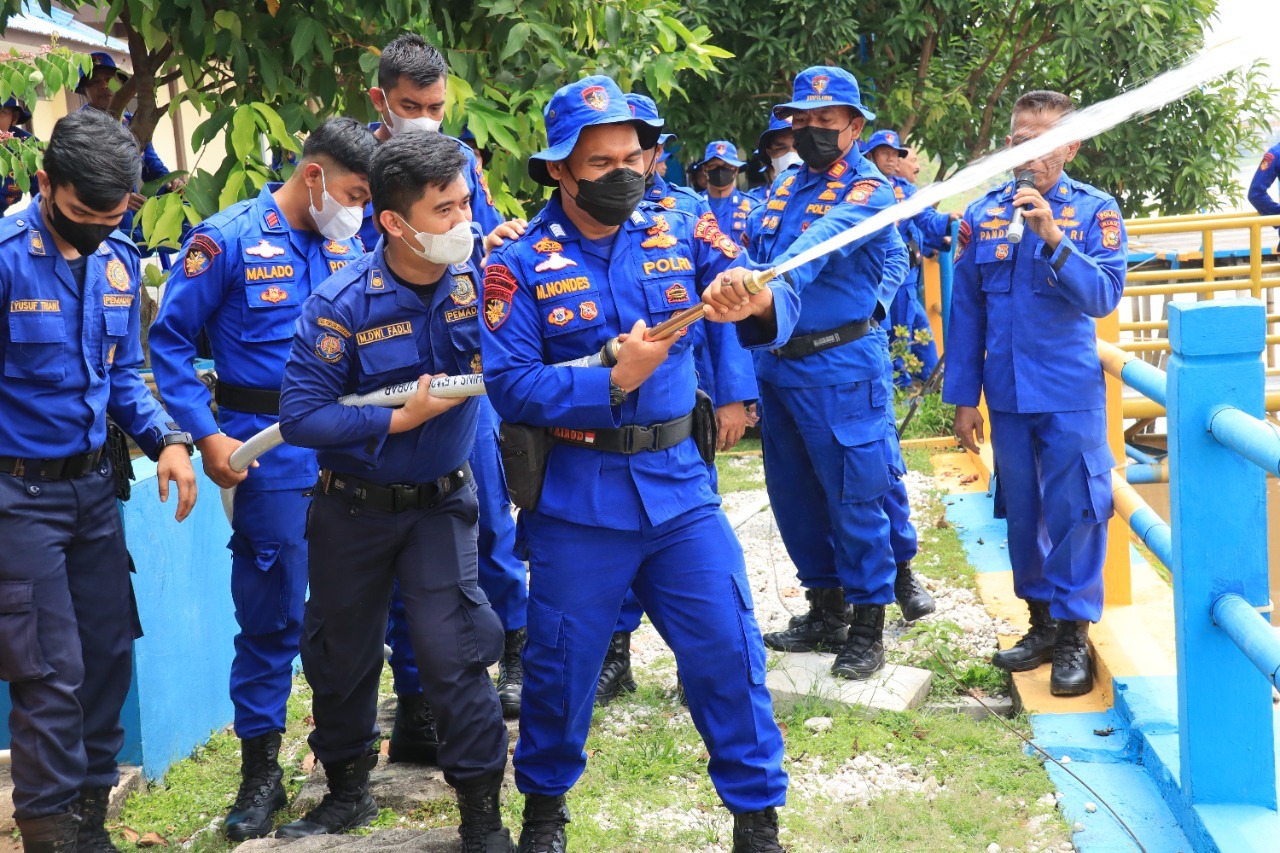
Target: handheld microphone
1026 178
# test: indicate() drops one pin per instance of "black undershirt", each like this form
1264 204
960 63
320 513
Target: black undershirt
425 292
78 269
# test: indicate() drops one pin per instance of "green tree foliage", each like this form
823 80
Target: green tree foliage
25 76
268 70
945 73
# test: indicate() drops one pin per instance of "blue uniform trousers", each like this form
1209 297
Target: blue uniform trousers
502 576
356 554
902 533
689 575
67 625
1055 481
269 588
829 460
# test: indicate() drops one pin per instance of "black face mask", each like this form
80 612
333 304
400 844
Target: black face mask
818 147
721 177
84 237
611 199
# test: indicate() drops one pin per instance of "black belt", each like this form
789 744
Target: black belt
629 439
802 345
396 497
66 468
253 401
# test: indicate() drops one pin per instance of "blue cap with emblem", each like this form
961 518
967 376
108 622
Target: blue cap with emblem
721 149
824 86
100 60
23 114
884 137
643 107
590 101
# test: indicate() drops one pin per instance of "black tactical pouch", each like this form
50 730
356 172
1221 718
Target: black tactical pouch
524 452
121 461
706 432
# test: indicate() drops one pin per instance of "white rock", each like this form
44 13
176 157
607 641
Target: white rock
819 724
993 848
1077 827
1090 808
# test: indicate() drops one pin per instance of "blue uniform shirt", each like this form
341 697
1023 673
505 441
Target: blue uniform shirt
854 283
725 371
483 213
71 356
361 331
244 276
1260 186
552 296
1022 325
731 212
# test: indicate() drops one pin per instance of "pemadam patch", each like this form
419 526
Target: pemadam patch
200 254
464 290
117 275
499 287
330 348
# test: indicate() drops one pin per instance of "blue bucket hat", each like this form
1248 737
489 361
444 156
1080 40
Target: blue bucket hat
590 101
775 125
24 114
721 149
643 108
884 137
100 60
824 86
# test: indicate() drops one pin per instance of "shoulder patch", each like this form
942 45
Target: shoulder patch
499 287
199 255
861 191
963 237
334 325
329 347
1267 160
708 231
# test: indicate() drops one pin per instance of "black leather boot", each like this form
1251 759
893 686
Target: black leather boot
1035 647
347 805
823 627
615 674
544 822
511 674
756 832
481 827
1072 668
414 739
93 836
261 789
52 834
863 654
912 597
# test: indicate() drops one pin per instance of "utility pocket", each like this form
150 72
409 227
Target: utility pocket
1098 463
866 461
21 658
35 346
545 653
480 640
752 644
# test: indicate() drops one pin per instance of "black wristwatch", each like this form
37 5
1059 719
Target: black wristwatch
179 438
616 395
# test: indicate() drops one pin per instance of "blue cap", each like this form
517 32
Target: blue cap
884 137
824 86
24 114
465 134
721 149
590 101
643 107
100 60
775 124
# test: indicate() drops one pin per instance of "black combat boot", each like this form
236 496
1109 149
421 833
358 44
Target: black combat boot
481 828
1072 669
1035 647
511 673
756 832
912 597
93 835
823 627
55 833
863 654
615 675
261 789
413 737
544 822
347 805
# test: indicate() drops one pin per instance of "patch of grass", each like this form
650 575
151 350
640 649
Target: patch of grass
932 418
741 473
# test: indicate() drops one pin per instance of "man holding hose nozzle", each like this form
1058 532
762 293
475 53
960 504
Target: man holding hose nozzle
1022 331
626 500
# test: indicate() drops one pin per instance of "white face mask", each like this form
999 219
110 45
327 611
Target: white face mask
780 164
452 247
399 124
333 220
